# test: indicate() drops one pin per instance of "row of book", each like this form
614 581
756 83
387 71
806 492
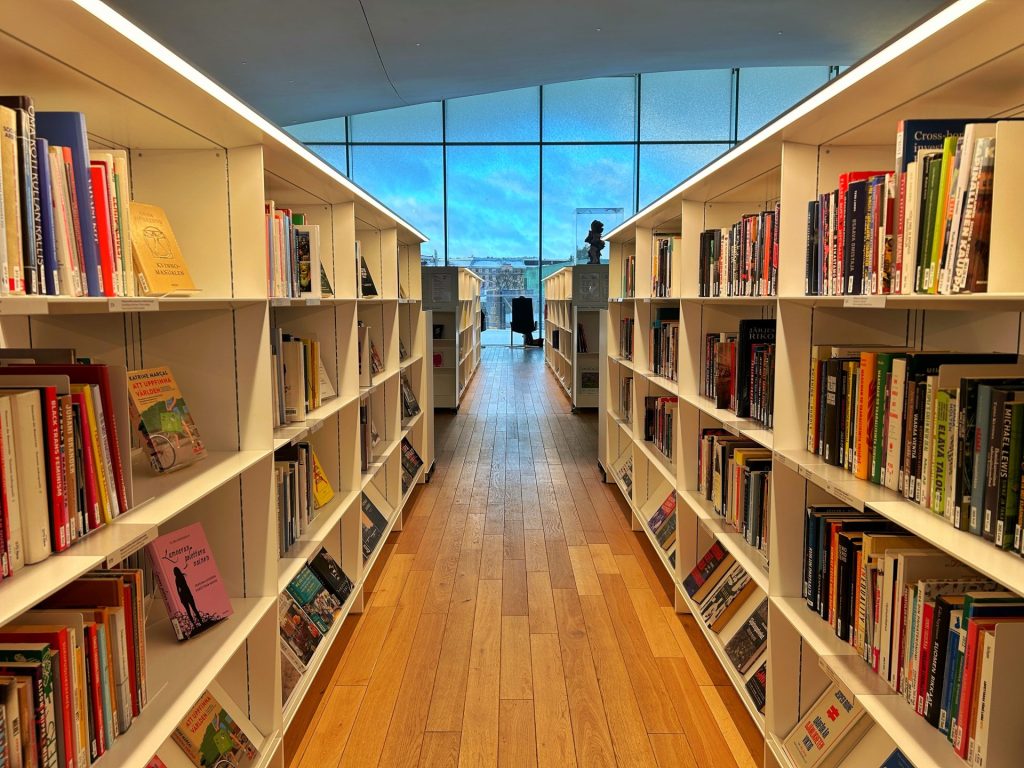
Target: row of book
300 381
623 469
659 423
923 227
739 370
307 610
302 488
626 338
581 339
741 260
410 404
68 226
626 399
369 437
628 287
734 474
63 458
943 429
411 463
663 349
661 264
925 622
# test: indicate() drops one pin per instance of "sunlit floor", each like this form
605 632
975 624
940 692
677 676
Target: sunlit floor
518 620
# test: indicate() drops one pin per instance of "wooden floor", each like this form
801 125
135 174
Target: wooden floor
518 620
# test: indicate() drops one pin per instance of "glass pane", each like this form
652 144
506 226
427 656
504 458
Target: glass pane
503 116
420 122
686 106
601 109
320 130
494 225
665 166
332 154
767 92
409 180
578 180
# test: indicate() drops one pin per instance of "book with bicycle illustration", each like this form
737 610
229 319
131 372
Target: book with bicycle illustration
189 580
214 732
169 433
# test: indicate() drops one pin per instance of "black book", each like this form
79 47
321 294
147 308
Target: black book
331 574
832 423
757 686
649 406
813 274
996 467
750 640
944 607
28 176
374 524
846 582
750 332
853 244
366 279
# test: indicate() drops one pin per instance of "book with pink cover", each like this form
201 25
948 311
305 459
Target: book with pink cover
189 580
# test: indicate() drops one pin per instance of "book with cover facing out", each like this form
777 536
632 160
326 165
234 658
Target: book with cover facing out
374 524
366 284
727 597
331 574
163 418
160 267
210 736
300 635
750 640
189 580
319 603
827 731
757 686
702 577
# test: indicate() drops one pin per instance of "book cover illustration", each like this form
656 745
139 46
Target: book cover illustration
366 279
212 739
820 731
163 418
291 674
750 639
715 610
297 629
757 686
319 604
160 267
189 580
332 575
374 524
323 492
897 760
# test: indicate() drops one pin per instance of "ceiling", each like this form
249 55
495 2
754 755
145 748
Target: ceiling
302 60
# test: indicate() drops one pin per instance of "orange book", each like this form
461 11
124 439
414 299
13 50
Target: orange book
866 393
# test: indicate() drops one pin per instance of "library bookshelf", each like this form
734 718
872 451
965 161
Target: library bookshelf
211 162
452 295
574 301
964 60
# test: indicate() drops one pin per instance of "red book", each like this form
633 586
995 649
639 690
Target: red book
104 228
924 657
57 638
93 513
129 628
92 661
844 183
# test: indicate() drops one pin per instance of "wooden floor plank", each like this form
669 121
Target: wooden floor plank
555 746
480 718
516 668
517 740
440 749
330 735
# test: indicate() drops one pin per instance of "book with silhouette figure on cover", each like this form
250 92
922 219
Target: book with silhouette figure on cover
189 580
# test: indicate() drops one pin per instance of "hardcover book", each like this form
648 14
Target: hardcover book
160 267
896 760
331 574
727 597
211 737
697 583
189 580
366 279
319 604
374 524
818 739
163 418
750 640
297 630
757 686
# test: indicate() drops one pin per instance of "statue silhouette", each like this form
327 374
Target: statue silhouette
188 600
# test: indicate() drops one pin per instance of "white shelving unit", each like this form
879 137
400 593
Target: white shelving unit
210 162
965 60
452 295
575 299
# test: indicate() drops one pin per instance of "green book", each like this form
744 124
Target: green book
1010 464
929 205
14 655
939 225
883 368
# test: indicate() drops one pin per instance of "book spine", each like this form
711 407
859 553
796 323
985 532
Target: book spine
999 430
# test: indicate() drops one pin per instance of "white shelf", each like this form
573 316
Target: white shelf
296 432
313 538
737 425
747 556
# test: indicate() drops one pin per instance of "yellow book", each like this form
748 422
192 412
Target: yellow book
10 214
322 490
97 450
159 265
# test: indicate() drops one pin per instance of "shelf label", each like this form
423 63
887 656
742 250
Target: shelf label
786 461
280 302
24 305
316 427
844 496
313 301
877 302
127 550
732 428
133 305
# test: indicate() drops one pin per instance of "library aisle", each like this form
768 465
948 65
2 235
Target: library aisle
518 621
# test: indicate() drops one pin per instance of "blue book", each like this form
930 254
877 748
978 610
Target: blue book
50 268
67 129
106 685
896 760
952 660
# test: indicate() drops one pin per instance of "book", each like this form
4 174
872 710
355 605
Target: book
750 640
159 264
757 686
323 492
318 603
332 575
366 284
163 418
210 736
703 576
190 583
726 598
373 525
827 731
896 759
300 635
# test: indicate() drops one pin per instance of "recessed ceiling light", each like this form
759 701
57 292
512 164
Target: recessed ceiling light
417 45
598 29
780 31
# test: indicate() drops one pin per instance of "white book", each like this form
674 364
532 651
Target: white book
9 462
122 676
327 390
982 147
294 381
10 719
894 432
923 491
125 220
913 222
977 745
62 227
31 473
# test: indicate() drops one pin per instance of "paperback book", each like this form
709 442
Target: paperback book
318 603
211 738
373 524
169 432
